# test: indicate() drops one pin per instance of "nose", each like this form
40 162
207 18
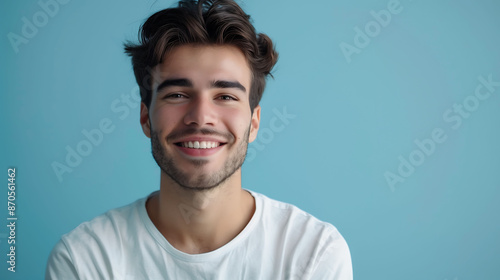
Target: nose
201 112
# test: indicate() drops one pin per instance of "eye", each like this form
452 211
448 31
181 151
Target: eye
227 98
174 96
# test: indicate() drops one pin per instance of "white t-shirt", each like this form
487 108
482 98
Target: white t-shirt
280 242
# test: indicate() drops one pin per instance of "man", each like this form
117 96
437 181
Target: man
201 69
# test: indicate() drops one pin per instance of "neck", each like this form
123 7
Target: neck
201 221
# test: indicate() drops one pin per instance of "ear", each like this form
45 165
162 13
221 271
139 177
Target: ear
144 119
254 125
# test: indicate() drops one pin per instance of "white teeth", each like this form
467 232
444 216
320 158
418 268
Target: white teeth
200 144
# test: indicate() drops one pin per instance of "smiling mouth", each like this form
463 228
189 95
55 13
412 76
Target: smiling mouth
199 144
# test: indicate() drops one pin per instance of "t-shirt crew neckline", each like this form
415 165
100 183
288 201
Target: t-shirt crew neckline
203 257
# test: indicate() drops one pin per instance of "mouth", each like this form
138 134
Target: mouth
199 144
199 149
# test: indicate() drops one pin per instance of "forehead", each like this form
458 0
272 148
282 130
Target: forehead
204 63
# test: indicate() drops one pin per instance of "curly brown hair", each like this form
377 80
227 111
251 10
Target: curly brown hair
205 22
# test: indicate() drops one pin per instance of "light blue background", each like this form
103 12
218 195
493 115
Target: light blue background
352 122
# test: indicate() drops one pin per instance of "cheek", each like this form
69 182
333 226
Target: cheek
237 123
163 119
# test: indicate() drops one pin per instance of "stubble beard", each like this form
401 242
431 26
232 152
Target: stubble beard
202 182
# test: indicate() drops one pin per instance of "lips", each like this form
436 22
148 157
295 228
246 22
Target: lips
199 152
200 145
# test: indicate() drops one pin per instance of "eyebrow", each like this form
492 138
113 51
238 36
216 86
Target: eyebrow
228 84
187 83
174 82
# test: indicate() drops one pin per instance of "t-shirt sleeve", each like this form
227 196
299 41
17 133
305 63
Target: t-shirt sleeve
60 264
335 261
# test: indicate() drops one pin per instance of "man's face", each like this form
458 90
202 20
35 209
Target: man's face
199 120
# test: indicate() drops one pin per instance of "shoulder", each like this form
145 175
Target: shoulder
286 217
275 211
323 250
106 224
97 241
